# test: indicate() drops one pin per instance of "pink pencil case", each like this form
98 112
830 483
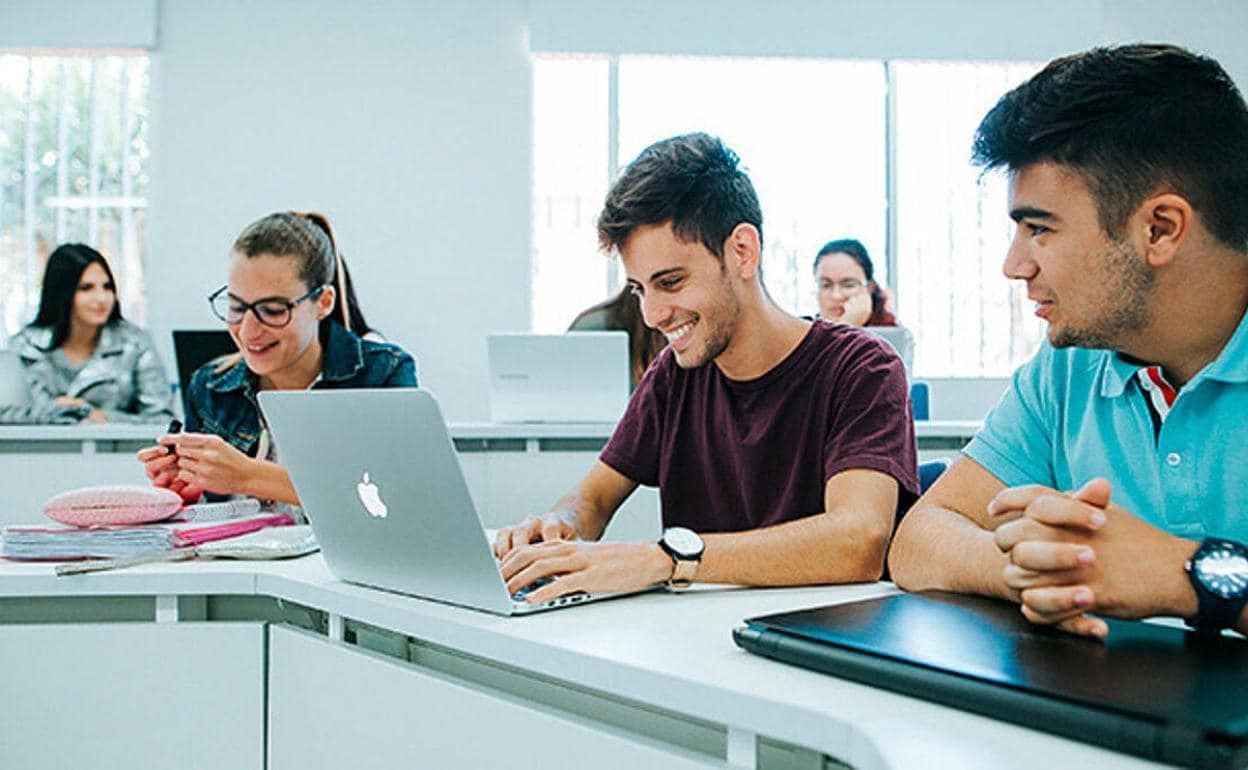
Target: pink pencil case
110 506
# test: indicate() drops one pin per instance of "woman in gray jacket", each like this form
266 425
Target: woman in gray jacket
81 360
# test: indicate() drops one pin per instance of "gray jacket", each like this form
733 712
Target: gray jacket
123 377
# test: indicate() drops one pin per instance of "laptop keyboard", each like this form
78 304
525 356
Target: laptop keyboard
518 596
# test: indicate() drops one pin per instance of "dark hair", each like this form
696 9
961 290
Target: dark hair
692 181
1131 120
64 270
623 313
852 248
307 238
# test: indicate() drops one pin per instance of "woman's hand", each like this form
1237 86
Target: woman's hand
858 307
161 466
210 463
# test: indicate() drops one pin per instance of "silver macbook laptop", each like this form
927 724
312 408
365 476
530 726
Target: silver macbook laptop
581 377
13 388
383 490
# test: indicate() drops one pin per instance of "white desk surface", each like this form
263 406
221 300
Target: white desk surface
461 430
103 432
672 651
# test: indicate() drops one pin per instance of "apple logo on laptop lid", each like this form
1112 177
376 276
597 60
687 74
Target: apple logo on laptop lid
370 496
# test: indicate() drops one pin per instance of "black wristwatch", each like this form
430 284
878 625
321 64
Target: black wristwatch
1219 574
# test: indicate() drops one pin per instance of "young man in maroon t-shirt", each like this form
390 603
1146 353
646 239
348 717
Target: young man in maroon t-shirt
783 450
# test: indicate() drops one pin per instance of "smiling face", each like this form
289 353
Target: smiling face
1094 291
684 292
266 350
94 297
839 278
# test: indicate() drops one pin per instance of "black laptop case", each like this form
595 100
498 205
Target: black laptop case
1158 692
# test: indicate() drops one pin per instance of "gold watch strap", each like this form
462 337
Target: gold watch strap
683 574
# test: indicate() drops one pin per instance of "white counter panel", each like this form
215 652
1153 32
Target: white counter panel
127 695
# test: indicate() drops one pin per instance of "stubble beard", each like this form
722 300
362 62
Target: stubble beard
1125 308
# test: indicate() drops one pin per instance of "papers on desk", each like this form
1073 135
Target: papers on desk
61 543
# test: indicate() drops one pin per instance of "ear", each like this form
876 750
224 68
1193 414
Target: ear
325 303
742 251
1165 221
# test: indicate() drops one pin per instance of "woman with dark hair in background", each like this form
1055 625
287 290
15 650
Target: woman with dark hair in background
845 279
82 361
623 313
292 312
848 292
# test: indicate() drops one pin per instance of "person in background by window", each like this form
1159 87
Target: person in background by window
82 360
623 313
848 293
291 310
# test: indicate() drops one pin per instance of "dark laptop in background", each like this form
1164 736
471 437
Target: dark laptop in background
192 348
1157 692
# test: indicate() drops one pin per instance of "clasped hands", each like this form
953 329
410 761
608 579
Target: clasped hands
95 415
548 547
193 463
1076 553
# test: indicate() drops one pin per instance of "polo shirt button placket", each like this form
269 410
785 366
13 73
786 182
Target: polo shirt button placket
1174 459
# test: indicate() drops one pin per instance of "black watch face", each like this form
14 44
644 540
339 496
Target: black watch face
1224 572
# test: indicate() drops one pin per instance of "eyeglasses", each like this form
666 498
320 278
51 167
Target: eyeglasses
847 286
273 312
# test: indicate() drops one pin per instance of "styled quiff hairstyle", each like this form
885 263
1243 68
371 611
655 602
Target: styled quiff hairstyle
692 181
1132 121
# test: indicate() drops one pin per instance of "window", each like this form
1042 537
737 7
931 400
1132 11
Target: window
952 228
73 168
818 138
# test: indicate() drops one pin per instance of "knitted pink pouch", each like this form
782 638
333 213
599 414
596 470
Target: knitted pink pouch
110 506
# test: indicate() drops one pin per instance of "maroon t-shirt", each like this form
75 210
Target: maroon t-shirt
729 456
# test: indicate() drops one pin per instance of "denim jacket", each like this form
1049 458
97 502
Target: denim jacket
124 377
224 402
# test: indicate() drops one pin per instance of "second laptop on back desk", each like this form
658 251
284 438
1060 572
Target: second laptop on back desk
552 378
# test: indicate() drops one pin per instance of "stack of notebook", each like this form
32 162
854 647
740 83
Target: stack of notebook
55 542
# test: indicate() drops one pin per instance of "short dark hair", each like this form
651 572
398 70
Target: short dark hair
692 181
1131 120
60 283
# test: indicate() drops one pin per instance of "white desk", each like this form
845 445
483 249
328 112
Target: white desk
651 681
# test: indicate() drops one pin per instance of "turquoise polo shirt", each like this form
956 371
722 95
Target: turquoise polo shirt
1071 415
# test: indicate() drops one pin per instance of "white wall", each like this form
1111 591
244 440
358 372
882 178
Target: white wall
65 24
408 122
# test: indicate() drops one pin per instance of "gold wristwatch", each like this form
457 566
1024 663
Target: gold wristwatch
685 547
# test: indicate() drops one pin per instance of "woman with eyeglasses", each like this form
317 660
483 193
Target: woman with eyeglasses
291 310
82 361
845 279
848 293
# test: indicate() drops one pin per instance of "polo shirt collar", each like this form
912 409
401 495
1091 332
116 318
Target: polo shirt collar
1231 365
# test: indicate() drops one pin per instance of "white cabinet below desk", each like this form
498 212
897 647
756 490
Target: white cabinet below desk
333 706
118 696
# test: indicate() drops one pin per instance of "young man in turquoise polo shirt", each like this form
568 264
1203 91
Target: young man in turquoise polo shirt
1111 478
